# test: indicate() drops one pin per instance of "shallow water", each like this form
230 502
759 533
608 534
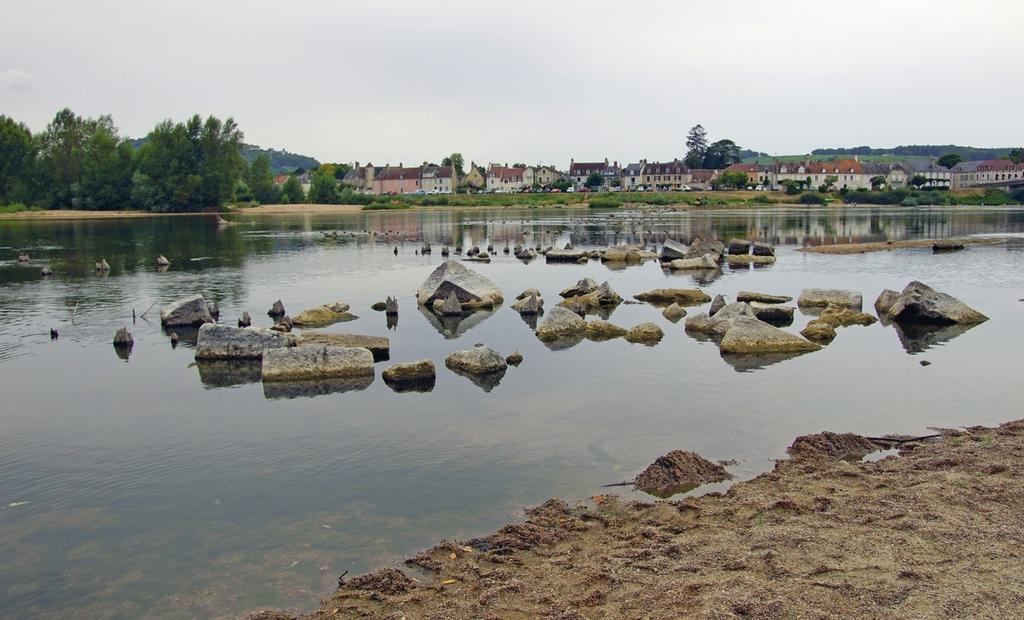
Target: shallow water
152 487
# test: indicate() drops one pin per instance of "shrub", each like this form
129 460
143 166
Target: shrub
812 198
604 202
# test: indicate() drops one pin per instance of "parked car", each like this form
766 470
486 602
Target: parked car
570 189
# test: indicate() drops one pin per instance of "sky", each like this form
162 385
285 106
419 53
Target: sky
538 82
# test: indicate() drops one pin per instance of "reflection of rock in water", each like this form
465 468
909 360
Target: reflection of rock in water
392 321
317 387
187 335
454 326
918 337
419 385
752 362
124 351
532 319
566 342
702 277
486 381
228 373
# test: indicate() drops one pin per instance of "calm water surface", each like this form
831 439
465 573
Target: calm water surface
150 487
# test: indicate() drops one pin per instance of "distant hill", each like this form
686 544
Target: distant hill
891 154
281 162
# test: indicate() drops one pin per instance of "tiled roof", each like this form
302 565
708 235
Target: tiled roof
582 169
675 167
399 174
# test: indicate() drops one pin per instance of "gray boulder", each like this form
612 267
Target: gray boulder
561 323
708 261
667 296
245 320
421 372
819 331
705 244
722 320
584 286
644 333
379 346
599 330
762 248
188 311
473 290
478 361
885 301
528 292
305 363
223 342
748 335
822 297
716 304
920 303
671 250
451 305
529 305
123 338
674 312
739 246
514 359
565 256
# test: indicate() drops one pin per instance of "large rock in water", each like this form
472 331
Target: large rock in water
529 305
885 301
708 261
418 376
186 311
561 323
379 346
601 297
823 297
472 289
920 303
773 313
819 331
763 298
739 246
668 296
749 335
644 333
223 342
323 315
566 256
603 330
478 361
678 471
584 286
304 363
837 316
705 244
672 250
719 323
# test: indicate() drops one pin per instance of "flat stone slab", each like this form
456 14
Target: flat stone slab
304 363
566 256
763 298
823 297
223 342
749 335
379 346
668 296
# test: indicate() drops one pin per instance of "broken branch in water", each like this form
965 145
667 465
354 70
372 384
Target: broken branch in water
73 313
143 315
618 484
907 440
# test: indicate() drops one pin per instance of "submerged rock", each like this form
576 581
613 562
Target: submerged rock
187 311
582 287
678 471
831 446
947 246
708 261
920 303
379 306
478 360
823 297
379 346
667 296
674 312
305 363
644 333
421 373
472 289
763 298
837 316
324 315
123 338
223 342
561 323
749 259
749 335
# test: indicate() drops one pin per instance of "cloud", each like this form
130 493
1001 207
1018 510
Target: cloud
16 80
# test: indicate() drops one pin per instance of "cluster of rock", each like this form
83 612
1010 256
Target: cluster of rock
705 252
743 252
469 289
738 330
587 295
563 328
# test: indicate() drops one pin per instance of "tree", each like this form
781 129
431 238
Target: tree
721 154
518 164
456 161
829 184
291 192
596 179
949 160
919 180
560 184
17 162
106 176
877 182
261 181
1016 155
696 146
324 187
737 180
792 187
62 151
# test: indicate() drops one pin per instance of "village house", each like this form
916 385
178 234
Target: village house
579 172
439 180
674 175
849 173
700 178
305 179
631 176
936 176
505 179
893 174
474 178
757 174
986 172
398 180
361 177
540 176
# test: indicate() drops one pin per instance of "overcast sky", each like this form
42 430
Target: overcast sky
530 81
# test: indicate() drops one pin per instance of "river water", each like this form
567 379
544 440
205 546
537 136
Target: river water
150 487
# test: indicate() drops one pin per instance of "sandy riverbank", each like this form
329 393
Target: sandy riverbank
933 532
883 246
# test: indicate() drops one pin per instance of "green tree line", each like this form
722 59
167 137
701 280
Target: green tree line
83 163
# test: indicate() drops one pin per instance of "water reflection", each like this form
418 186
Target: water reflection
451 327
226 373
485 381
318 387
919 337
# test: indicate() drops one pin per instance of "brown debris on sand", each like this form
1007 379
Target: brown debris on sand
679 471
932 533
836 446
883 246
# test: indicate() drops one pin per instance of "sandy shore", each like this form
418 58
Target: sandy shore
934 532
884 246
296 209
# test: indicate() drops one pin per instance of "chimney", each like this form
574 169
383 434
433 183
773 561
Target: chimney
357 165
401 165
606 161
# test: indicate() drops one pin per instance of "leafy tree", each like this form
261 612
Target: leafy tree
829 184
792 187
1016 155
291 192
106 175
456 161
721 154
324 187
518 164
596 179
696 146
949 160
261 181
560 184
17 161
919 180
63 149
736 180
877 182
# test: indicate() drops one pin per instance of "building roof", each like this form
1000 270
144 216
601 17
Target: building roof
835 166
582 169
632 170
505 173
673 167
702 175
399 174
437 172
746 168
